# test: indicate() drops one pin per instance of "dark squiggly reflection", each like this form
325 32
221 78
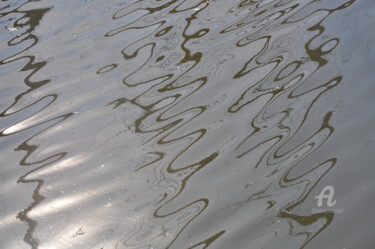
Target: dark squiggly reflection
177 124
22 27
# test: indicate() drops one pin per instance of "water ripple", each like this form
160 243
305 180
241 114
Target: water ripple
183 124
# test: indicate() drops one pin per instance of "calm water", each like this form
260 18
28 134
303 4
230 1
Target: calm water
218 124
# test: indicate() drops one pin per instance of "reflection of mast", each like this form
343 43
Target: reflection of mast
23 38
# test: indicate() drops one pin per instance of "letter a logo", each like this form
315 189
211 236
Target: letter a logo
328 196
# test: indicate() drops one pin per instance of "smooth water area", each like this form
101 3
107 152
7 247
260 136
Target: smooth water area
155 124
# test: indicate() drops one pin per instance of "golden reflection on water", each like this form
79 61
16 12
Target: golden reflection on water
172 124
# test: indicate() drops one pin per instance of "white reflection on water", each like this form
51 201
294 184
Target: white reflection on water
60 166
8 220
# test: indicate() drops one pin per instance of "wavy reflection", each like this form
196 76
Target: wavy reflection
176 124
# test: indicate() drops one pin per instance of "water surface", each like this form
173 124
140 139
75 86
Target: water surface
157 124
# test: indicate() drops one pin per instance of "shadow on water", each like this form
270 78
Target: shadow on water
179 124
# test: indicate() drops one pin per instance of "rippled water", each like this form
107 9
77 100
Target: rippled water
187 124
